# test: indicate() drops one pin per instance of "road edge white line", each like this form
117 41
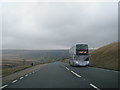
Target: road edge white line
14 81
21 77
103 69
26 75
94 86
4 86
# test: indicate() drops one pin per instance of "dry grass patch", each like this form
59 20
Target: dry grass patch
9 71
106 57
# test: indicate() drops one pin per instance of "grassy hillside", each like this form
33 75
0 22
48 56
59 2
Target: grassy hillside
106 57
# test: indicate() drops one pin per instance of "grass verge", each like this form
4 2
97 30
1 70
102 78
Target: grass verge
9 71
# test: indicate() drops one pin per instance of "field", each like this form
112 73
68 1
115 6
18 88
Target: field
16 60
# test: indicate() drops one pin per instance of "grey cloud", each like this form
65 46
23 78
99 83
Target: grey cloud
58 25
0 37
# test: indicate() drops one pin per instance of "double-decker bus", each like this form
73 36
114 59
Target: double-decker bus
79 55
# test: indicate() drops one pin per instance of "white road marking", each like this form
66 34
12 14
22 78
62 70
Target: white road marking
29 73
4 86
14 81
21 77
67 68
94 86
26 75
115 71
104 69
75 74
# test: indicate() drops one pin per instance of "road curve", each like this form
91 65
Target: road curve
62 75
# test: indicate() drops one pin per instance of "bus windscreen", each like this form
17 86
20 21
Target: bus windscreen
82 49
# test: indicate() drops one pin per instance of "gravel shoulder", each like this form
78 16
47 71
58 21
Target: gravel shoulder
18 74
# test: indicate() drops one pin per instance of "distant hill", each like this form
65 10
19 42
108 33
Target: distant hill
12 58
106 57
35 54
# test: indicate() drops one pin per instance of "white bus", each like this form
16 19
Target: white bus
79 55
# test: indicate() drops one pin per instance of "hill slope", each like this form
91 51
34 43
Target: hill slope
106 57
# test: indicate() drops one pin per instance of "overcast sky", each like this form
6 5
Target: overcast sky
58 25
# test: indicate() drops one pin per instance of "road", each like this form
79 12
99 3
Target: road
62 75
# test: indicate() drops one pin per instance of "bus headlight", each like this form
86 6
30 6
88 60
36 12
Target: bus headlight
76 61
87 62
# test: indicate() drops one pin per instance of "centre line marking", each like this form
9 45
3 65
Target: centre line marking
14 81
67 68
4 86
75 74
94 86
21 78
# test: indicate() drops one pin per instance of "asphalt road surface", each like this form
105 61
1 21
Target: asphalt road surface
62 75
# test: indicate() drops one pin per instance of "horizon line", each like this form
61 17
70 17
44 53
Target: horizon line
40 49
